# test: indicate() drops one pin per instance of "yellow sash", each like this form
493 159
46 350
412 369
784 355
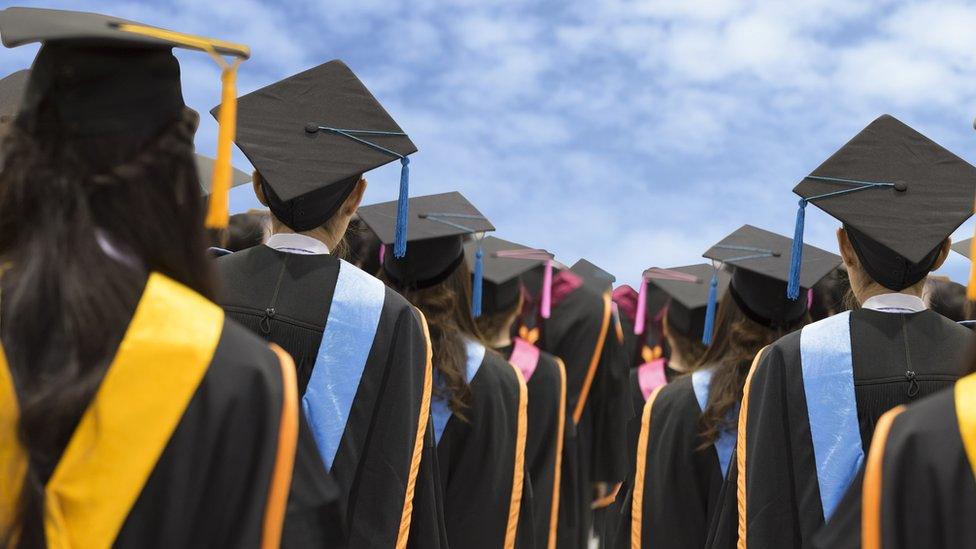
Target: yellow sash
965 397
163 357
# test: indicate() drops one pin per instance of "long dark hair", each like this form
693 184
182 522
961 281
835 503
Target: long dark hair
83 221
447 307
736 341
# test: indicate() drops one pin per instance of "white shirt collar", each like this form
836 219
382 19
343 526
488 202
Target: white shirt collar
895 303
294 243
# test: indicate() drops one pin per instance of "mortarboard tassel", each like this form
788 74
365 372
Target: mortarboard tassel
382 253
403 209
971 288
478 282
546 308
710 310
641 307
218 209
796 256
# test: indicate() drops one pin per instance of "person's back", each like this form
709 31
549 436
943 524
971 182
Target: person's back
364 378
134 414
544 374
813 400
480 402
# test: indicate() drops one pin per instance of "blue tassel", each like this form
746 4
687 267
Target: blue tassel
796 256
710 310
478 279
403 208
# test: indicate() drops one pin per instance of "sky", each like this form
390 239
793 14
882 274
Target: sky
632 133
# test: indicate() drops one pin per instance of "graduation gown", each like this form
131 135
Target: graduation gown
364 375
188 442
487 493
580 332
919 487
676 486
545 378
810 409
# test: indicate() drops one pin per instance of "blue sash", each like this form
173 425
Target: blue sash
828 383
440 412
701 380
348 337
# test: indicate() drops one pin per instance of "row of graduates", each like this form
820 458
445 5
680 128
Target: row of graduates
776 417
152 396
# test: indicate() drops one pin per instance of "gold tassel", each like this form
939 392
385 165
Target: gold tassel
971 288
218 209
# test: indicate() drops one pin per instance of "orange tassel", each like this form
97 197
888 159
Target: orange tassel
219 207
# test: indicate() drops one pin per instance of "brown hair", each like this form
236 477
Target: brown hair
491 325
65 201
691 349
736 341
447 307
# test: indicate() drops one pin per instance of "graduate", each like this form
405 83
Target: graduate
480 402
919 484
132 412
813 398
361 350
572 321
545 375
688 427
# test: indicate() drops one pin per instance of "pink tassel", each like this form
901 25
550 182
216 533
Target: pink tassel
809 298
382 253
547 290
641 308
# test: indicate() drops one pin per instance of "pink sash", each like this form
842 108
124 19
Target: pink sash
650 376
525 357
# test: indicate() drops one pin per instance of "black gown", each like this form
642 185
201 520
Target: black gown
682 484
373 458
209 484
921 483
487 492
548 421
897 358
580 332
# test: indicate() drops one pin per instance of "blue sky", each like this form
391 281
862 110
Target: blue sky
635 134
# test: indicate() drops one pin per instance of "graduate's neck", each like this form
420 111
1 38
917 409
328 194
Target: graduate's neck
864 292
323 234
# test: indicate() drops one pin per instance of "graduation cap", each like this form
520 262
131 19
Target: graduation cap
312 135
594 276
690 288
503 264
104 75
205 168
12 89
898 194
761 269
436 228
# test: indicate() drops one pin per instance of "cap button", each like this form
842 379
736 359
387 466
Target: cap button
777 254
311 127
901 186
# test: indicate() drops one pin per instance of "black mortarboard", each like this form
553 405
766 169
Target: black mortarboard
899 195
689 288
205 167
502 268
761 268
11 93
594 276
311 136
436 228
105 75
